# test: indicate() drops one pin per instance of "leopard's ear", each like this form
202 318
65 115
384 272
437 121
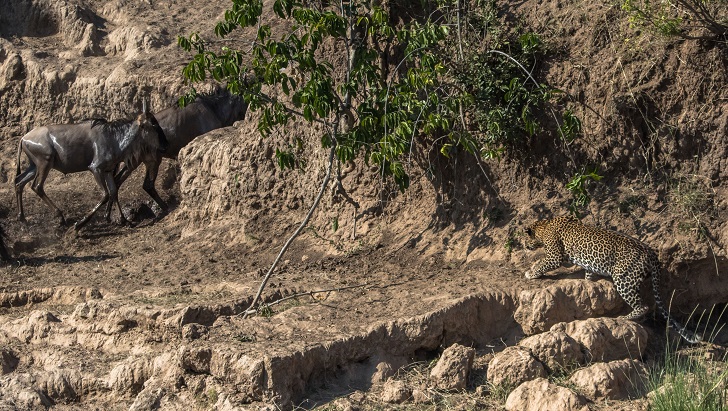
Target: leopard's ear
529 231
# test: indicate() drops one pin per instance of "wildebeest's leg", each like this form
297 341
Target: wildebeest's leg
100 180
122 175
20 181
39 182
149 180
114 197
119 179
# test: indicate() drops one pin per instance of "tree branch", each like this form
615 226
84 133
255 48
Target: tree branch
251 310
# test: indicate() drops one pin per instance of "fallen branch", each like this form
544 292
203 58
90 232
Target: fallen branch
309 293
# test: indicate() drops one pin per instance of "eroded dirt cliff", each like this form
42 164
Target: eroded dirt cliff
143 317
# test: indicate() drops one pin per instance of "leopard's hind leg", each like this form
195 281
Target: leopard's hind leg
629 289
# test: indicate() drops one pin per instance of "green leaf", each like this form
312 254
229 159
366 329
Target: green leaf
308 113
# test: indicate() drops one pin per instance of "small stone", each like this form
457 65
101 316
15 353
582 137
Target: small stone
196 360
514 366
541 395
344 404
453 368
194 331
384 371
614 380
555 349
607 339
395 392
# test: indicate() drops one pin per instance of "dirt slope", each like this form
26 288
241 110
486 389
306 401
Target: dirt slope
124 317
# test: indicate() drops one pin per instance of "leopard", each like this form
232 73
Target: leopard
628 261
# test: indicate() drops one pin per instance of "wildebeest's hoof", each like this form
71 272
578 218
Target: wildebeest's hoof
21 218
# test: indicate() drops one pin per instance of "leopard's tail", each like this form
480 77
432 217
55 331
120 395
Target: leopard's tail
688 335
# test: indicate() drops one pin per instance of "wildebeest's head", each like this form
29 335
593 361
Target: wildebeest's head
227 106
149 124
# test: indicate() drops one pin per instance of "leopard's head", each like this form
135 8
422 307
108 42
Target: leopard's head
534 234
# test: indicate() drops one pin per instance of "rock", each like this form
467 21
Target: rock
132 40
35 328
62 384
607 339
555 349
452 369
387 367
194 331
513 366
248 373
12 69
20 394
615 380
383 371
541 395
395 392
148 399
130 375
569 300
196 360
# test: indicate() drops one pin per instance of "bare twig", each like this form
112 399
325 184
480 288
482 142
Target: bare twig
311 293
251 310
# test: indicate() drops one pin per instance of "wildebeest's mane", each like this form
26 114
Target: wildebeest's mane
109 125
212 98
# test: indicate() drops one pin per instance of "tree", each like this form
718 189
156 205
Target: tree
367 105
362 111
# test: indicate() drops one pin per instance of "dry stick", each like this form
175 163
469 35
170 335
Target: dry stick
311 293
251 310
353 229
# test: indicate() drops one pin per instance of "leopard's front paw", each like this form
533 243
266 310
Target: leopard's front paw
530 274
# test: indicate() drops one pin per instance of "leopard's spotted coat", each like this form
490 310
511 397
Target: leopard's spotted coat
603 252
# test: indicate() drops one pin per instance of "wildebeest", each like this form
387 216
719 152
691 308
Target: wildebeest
181 125
96 145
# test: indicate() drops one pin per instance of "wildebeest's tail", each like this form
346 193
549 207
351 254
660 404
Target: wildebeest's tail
688 335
